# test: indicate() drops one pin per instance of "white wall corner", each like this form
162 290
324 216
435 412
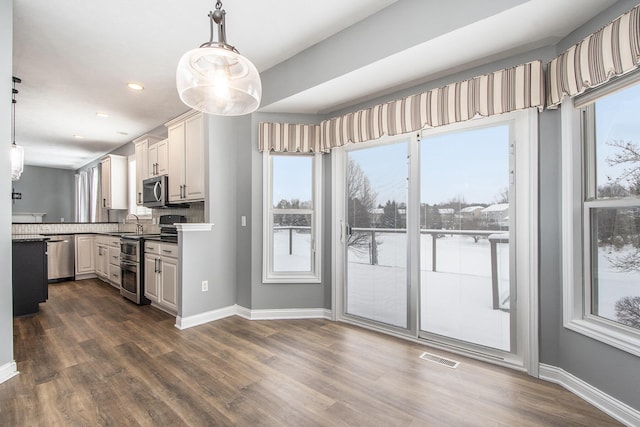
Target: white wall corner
206 317
272 314
607 404
7 371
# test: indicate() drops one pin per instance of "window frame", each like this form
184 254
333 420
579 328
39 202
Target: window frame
578 167
315 274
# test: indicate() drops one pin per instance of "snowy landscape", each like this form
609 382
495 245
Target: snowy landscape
455 300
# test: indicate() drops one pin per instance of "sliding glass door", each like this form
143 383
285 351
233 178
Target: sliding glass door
465 223
376 213
431 228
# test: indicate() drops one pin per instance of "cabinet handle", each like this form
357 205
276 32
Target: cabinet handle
104 203
159 265
167 251
139 198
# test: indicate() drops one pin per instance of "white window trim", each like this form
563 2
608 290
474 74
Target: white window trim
576 289
268 275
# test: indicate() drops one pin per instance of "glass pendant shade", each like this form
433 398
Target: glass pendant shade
17 161
217 80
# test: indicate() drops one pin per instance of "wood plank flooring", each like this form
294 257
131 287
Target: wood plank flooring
91 358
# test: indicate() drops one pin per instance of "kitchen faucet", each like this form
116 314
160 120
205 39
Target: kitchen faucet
139 228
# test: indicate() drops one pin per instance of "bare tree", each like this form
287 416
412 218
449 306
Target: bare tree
628 311
361 201
502 196
629 156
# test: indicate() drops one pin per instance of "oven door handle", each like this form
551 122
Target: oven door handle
126 263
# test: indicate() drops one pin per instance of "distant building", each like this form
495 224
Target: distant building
497 214
471 212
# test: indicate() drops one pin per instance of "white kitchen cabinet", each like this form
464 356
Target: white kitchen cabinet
102 260
158 158
114 263
142 145
186 158
84 256
114 182
107 259
151 277
161 275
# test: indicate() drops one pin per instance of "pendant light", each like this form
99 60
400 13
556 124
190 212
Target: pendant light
215 78
17 152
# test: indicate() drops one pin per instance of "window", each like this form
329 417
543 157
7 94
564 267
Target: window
292 218
602 216
140 211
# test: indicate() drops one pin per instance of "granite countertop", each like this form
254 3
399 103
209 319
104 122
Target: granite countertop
28 237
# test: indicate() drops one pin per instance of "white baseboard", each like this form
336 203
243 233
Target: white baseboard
209 316
284 313
609 405
274 314
8 370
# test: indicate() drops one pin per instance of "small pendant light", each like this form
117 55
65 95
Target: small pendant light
215 78
17 152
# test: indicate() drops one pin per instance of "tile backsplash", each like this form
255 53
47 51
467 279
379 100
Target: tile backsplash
61 228
194 214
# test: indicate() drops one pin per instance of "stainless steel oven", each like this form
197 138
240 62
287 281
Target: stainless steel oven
132 269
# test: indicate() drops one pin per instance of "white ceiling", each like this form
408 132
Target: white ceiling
75 58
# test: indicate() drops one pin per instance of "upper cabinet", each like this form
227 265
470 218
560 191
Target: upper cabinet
143 144
114 182
158 158
186 158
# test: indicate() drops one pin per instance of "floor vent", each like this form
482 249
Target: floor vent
439 360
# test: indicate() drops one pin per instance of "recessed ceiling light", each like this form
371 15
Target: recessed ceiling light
78 136
135 86
99 114
123 133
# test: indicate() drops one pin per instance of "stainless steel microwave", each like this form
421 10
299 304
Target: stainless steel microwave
155 192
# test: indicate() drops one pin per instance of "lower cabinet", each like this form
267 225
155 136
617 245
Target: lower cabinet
161 275
85 254
102 260
29 263
107 259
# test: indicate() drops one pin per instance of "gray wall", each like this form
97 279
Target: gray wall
613 371
6 306
280 295
47 190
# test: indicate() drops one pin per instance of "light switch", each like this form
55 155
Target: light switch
243 221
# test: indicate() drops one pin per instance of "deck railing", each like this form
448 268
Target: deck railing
493 236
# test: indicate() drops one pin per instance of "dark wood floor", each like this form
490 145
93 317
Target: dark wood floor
92 358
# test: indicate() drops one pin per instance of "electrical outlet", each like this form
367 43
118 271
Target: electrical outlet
205 285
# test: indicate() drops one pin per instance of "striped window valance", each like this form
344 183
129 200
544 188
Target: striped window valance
612 51
499 92
503 91
291 138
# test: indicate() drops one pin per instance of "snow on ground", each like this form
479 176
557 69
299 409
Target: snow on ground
456 299
614 284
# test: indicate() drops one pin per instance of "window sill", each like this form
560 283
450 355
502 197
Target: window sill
290 279
607 333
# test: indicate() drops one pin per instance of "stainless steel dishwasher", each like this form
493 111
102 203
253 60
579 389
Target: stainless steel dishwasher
61 254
